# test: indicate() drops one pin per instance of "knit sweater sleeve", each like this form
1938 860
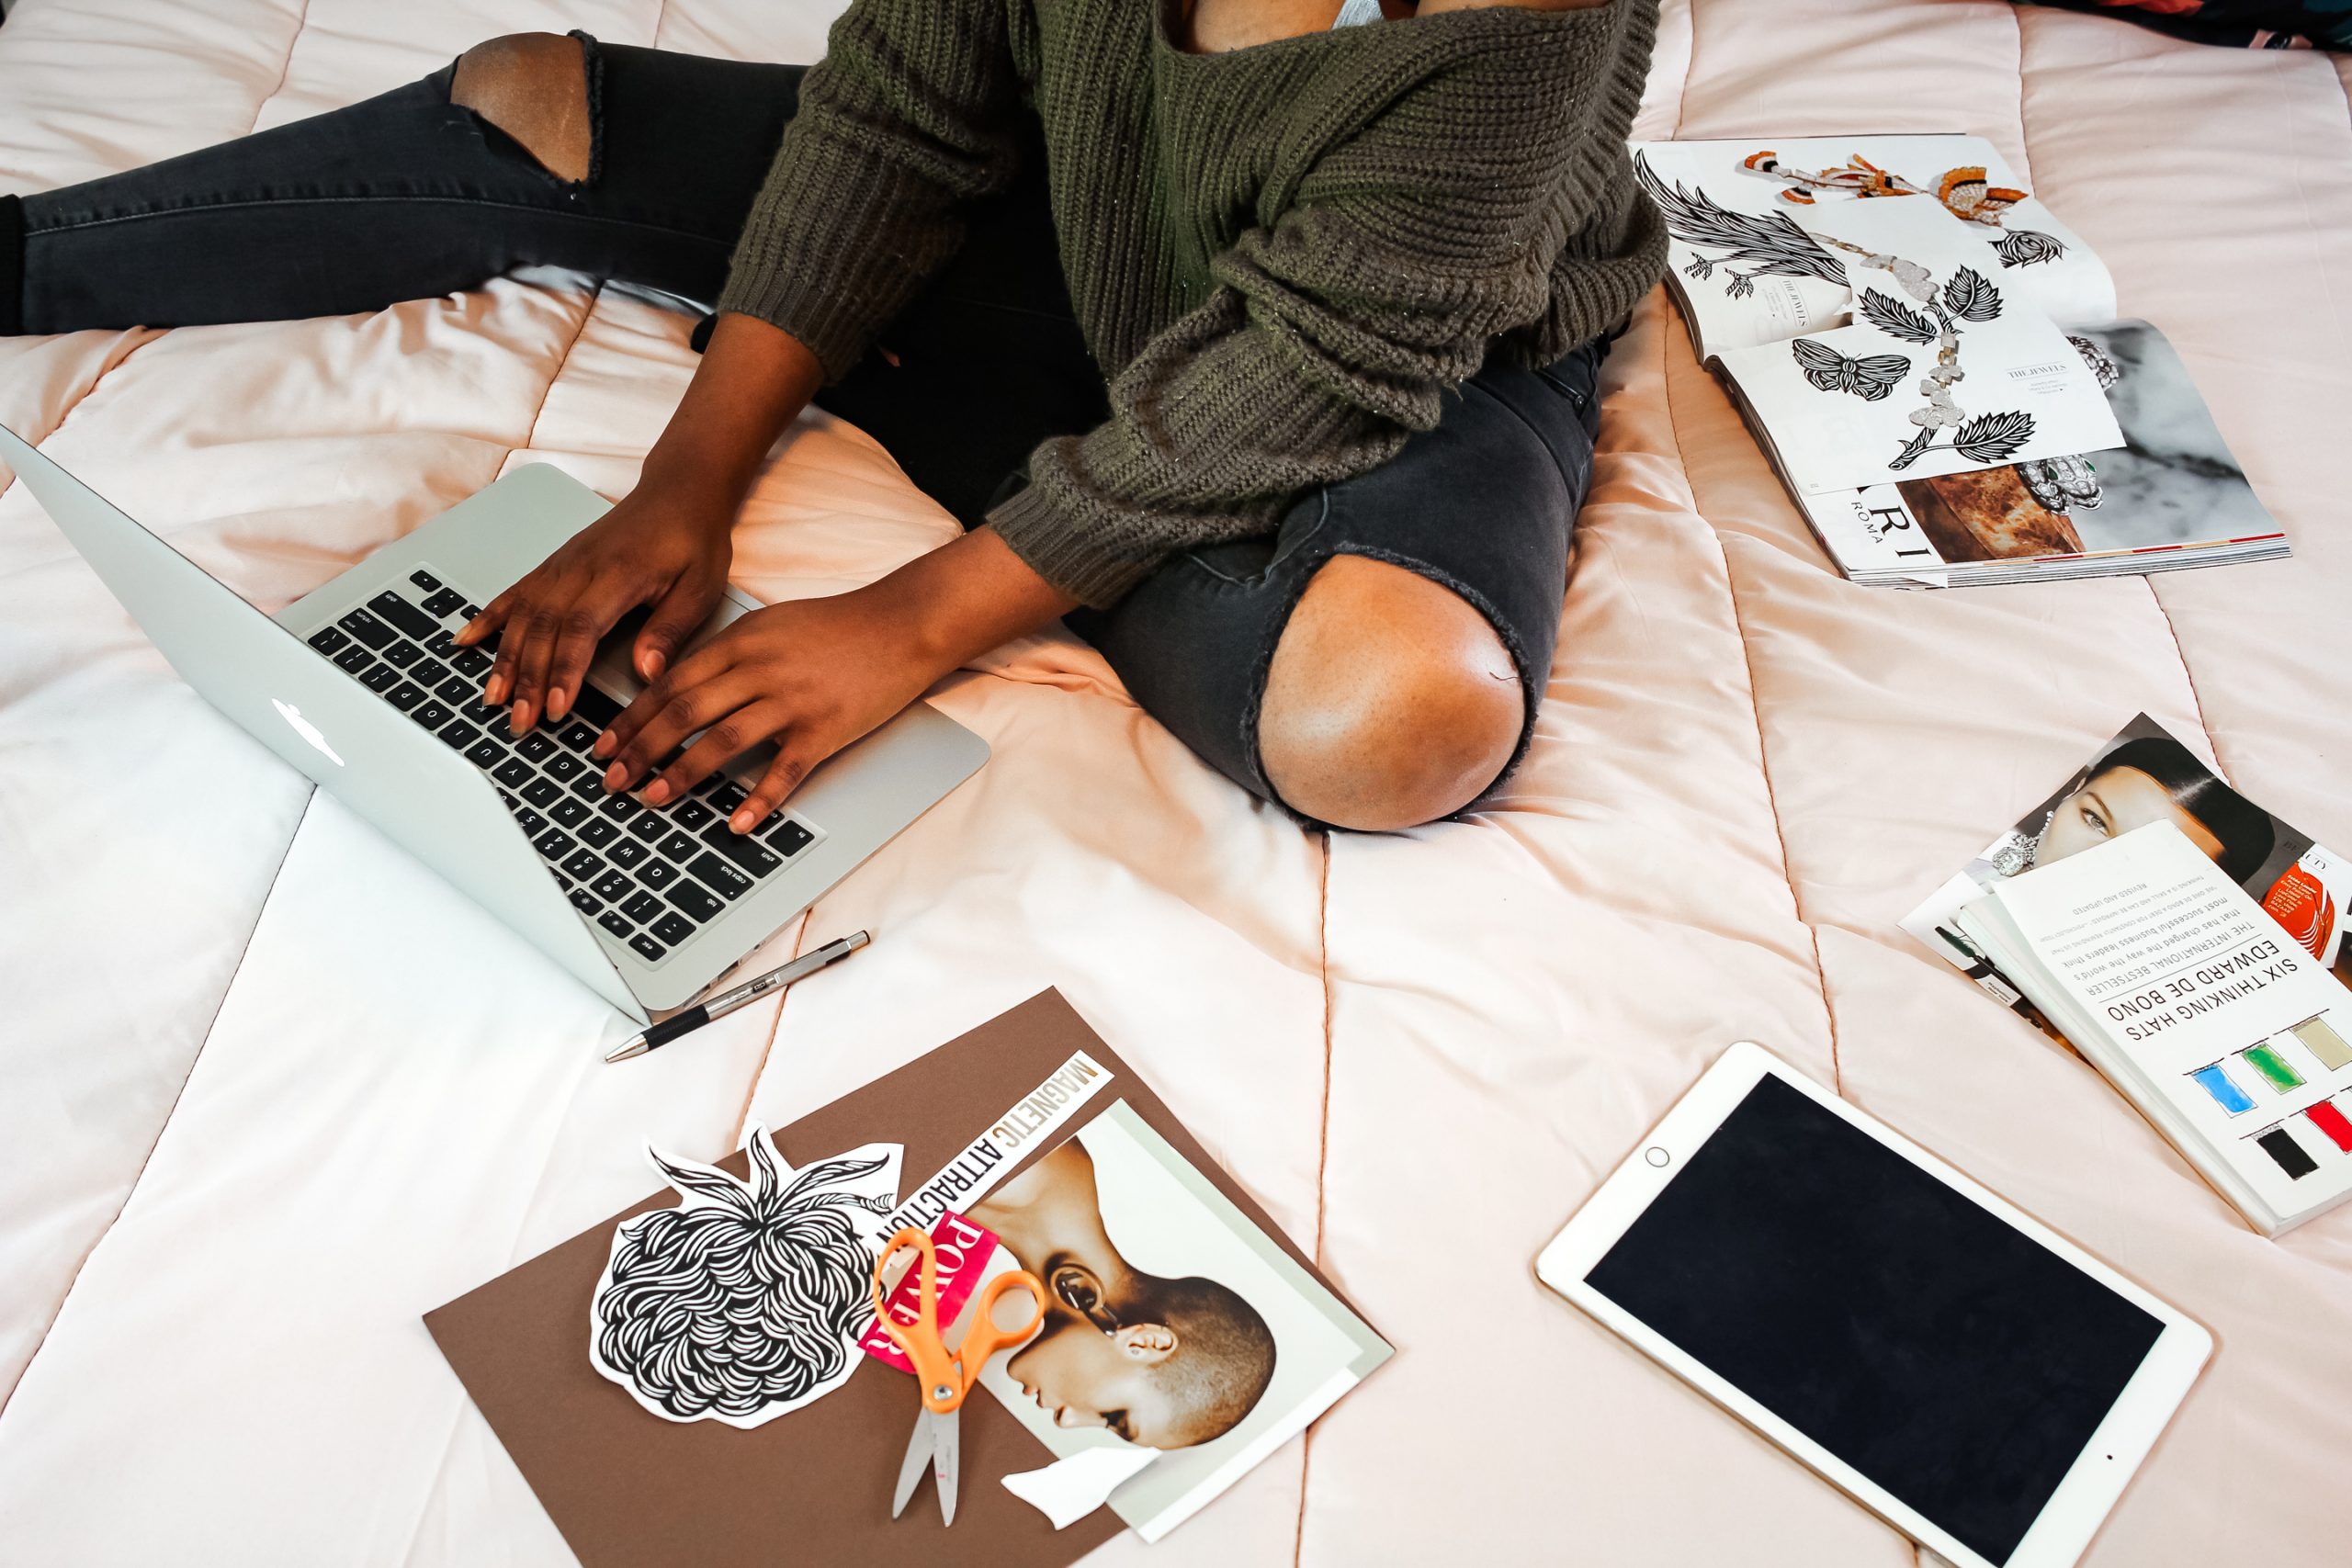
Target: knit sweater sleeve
910 116
1334 329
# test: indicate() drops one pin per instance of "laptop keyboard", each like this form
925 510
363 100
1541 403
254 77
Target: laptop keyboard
650 878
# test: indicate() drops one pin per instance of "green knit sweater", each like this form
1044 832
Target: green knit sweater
1281 257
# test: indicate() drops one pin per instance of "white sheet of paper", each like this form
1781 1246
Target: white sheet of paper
1069 1489
744 1302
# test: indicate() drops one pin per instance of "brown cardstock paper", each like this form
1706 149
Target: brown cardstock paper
628 1488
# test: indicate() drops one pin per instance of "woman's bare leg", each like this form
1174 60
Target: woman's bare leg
1390 701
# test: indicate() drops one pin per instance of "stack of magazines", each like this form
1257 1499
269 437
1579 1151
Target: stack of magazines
2192 947
1932 362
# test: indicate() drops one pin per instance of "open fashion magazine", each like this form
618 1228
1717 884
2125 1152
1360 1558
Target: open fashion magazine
1932 362
2192 947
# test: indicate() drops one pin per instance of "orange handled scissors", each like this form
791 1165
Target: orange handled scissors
943 1376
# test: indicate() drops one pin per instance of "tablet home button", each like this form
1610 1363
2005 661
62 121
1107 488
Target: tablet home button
1657 1157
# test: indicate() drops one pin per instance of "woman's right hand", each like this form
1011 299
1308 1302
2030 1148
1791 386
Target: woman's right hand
664 544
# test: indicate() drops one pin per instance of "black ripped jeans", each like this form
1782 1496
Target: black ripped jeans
407 195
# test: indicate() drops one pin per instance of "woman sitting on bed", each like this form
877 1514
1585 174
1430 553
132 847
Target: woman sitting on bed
1256 337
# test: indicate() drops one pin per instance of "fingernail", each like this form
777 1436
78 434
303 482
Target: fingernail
603 747
522 720
494 691
742 820
657 792
559 702
614 776
655 665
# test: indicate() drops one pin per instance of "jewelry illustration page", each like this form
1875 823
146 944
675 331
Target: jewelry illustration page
1941 370
1748 271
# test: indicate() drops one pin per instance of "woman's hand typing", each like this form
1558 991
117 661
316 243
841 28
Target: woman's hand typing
665 547
815 675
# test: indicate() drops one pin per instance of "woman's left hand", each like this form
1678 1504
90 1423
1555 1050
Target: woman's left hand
811 675
815 675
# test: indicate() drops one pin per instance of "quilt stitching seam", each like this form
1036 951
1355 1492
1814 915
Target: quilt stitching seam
2025 137
243 953
530 438
1756 712
2196 697
1690 69
767 1048
1322 1157
531 431
1773 801
285 69
1323 976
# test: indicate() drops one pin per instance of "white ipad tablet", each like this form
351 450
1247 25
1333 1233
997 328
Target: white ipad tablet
1978 1382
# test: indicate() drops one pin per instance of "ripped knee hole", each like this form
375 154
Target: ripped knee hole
534 87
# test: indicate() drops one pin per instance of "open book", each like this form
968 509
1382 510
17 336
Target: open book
2045 917
1932 362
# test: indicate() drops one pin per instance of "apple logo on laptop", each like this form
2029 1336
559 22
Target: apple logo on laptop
305 728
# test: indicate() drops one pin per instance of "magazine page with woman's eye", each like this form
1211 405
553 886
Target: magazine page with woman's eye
2144 773
1943 369
1172 1324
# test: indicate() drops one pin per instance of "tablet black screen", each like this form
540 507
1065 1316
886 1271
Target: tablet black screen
1952 1359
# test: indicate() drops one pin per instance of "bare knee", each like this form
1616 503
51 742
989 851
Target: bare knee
534 87
1390 701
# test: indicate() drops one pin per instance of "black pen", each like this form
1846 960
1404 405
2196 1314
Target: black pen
749 991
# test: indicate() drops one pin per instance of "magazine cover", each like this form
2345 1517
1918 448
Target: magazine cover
2171 483
2144 774
1172 1324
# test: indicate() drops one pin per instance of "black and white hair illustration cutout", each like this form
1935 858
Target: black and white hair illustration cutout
745 1301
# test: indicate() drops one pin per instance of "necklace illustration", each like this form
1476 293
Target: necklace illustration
1967 193
1966 295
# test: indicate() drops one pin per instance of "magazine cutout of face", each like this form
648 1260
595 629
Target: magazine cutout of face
1168 1324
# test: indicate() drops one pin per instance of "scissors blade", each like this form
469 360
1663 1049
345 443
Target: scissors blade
920 1447
946 1459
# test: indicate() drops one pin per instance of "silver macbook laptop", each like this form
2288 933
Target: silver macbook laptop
359 685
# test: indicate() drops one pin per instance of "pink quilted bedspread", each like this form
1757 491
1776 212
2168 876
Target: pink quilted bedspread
269 1090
